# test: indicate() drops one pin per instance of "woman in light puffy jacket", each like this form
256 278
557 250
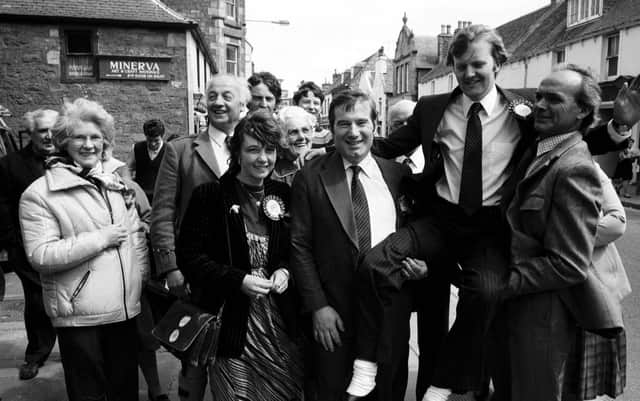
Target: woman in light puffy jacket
82 234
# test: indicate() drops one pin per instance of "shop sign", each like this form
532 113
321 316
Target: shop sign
134 68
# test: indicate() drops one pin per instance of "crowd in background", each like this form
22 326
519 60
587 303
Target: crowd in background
317 244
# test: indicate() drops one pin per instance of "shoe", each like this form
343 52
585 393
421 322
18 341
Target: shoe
159 397
29 370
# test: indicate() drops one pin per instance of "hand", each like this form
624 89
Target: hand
626 107
116 234
255 286
177 285
280 281
414 269
326 327
313 153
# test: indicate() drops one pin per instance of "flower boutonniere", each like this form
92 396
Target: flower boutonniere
521 108
234 209
273 207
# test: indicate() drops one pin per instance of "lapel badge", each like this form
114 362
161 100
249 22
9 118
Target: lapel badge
234 209
521 108
273 207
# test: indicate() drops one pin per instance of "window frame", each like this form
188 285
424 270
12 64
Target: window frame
231 4
609 57
235 62
581 11
64 54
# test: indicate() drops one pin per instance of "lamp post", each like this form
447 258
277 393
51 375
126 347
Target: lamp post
277 22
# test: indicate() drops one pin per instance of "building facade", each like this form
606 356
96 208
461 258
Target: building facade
139 58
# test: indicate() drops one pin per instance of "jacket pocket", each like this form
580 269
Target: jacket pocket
80 286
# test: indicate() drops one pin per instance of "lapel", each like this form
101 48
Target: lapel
334 181
548 158
203 148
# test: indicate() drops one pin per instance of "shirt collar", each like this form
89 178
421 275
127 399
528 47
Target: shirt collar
548 144
488 102
368 165
157 150
216 135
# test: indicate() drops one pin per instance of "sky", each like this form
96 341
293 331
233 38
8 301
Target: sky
328 35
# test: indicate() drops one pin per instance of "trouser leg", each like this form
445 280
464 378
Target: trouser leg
41 335
120 344
192 383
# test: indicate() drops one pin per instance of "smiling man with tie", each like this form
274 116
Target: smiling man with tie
332 203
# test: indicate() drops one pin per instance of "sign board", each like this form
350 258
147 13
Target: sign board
134 68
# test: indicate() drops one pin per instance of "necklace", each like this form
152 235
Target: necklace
256 194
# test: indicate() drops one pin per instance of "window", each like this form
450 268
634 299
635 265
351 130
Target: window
406 78
232 59
613 47
231 8
79 63
579 11
559 57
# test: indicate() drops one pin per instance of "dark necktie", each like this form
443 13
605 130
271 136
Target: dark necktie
360 211
471 179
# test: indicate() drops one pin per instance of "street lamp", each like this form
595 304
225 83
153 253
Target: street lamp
277 22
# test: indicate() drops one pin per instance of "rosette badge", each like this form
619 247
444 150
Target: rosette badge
521 108
273 207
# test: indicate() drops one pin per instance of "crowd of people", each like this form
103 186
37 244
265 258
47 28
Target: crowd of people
316 245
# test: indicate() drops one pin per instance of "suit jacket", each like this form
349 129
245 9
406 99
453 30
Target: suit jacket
17 171
553 218
216 266
423 124
324 253
187 163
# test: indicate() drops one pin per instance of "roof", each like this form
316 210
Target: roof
546 29
141 11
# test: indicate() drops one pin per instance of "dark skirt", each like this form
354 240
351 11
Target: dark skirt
598 366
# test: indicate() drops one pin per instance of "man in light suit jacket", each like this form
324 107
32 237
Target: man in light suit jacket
189 162
468 199
332 203
553 219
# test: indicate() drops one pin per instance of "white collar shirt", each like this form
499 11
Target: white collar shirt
379 198
500 135
220 149
154 153
415 161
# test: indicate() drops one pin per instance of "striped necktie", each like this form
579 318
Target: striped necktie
360 210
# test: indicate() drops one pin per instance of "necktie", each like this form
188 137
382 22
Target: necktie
360 211
471 179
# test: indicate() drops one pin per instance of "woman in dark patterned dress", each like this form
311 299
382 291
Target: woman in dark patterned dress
233 250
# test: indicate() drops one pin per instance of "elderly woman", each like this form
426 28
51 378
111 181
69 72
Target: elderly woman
82 234
233 249
297 130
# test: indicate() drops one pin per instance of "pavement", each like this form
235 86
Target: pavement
632 202
49 384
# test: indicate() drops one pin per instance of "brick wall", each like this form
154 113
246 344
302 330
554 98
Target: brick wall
30 78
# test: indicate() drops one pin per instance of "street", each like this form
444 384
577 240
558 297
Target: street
49 384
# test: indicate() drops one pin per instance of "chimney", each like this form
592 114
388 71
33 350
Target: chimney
444 39
337 78
346 77
458 28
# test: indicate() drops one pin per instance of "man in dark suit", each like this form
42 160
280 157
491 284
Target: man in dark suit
17 171
146 156
481 131
333 199
188 162
553 219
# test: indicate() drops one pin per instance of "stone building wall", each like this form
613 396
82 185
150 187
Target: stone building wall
30 77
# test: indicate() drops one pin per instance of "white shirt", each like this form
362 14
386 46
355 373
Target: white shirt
379 198
220 149
154 153
500 135
415 161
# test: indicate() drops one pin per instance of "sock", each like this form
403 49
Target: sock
363 379
437 394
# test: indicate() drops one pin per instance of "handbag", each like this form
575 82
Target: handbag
190 333
610 270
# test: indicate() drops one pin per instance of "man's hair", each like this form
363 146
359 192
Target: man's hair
239 84
305 87
588 97
261 126
464 37
31 117
270 81
153 128
348 99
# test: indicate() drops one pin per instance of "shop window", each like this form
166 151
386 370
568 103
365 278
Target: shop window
78 58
